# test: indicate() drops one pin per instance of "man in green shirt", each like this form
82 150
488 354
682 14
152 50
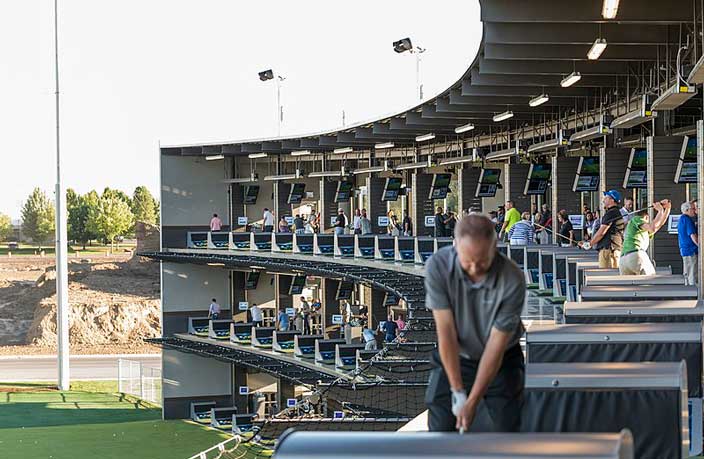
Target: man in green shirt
512 217
639 231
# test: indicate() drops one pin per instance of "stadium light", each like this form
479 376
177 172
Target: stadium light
405 44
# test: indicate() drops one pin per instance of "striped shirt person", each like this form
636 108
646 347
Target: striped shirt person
522 233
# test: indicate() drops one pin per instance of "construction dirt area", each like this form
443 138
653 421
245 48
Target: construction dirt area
114 305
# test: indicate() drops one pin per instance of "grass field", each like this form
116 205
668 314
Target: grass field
36 422
95 249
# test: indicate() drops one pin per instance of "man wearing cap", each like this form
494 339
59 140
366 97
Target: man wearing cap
608 239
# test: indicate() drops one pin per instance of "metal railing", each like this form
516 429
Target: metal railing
135 379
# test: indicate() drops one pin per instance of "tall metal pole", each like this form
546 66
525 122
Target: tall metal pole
279 108
419 85
62 306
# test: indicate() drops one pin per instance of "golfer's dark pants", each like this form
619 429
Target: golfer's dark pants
500 411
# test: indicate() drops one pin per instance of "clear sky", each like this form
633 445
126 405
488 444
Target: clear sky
136 73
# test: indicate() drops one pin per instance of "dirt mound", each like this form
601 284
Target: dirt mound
113 301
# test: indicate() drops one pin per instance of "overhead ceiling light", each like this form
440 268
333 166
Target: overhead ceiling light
424 137
570 79
464 128
214 157
343 150
300 153
503 116
256 155
381 146
540 100
597 48
610 8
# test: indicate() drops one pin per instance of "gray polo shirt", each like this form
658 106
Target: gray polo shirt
497 301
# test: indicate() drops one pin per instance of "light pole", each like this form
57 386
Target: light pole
62 306
404 45
267 75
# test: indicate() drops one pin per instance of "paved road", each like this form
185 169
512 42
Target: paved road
91 367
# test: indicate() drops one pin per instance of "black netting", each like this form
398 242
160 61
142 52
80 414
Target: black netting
384 393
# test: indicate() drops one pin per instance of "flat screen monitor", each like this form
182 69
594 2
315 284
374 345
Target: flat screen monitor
686 172
391 189
639 159
297 285
344 189
252 280
689 149
250 194
636 179
588 166
585 183
490 176
540 171
297 192
485 190
535 186
440 186
344 290
391 300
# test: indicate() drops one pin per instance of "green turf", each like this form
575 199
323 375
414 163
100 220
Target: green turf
78 424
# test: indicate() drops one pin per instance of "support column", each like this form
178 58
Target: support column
467 180
421 205
328 207
377 308
564 171
239 379
663 156
282 284
237 282
281 206
330 304
236 206
377 207
284 391
514 184
700 193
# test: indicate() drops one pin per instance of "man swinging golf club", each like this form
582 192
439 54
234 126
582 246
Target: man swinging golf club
476 295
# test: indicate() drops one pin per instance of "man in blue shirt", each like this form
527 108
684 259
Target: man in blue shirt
390 329
283 320
688 240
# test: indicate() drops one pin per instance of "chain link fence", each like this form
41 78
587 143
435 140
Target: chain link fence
138 380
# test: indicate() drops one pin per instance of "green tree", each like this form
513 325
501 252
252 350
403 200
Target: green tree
5 227
79 208
38 217
119 194
112 217
143 205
